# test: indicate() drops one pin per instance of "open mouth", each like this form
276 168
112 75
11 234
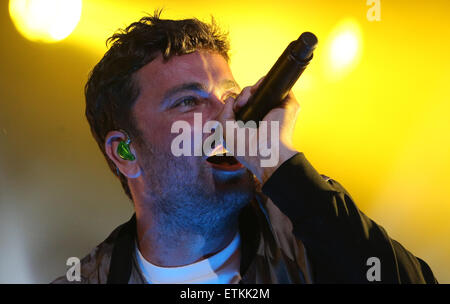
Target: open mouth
223 162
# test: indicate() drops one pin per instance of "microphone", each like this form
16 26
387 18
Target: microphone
281 78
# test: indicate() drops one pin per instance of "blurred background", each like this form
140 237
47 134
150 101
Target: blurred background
375 116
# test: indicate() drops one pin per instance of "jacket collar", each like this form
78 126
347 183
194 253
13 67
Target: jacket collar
262 260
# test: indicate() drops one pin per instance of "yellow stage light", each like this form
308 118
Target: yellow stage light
345 46
45 20
343 49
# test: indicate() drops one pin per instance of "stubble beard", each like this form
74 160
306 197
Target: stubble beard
185 195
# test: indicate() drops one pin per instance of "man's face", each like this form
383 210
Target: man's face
186 186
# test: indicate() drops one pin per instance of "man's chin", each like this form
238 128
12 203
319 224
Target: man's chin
230 175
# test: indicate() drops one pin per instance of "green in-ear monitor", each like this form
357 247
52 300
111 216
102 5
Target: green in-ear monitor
123 149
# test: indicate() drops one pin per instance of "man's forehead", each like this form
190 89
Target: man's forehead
200 66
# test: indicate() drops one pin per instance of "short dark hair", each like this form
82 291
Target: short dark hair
111 89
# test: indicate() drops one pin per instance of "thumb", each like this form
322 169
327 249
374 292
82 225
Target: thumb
227 114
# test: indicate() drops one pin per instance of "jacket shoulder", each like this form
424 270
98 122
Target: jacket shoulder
412 270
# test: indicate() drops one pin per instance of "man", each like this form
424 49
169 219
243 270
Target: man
218 219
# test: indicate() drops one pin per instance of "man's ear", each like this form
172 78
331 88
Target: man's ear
129 168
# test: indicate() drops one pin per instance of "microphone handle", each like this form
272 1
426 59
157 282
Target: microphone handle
281 78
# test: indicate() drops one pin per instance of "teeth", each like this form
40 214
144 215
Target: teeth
217 150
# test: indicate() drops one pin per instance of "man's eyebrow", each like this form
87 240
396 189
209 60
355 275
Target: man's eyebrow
190 86
196 86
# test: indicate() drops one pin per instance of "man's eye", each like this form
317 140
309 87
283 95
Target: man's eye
187 102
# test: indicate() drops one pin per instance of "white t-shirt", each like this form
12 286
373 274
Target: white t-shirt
221 268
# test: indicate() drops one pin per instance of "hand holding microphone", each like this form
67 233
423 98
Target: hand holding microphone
281 78
271 99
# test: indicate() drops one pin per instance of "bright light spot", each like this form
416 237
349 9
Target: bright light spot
345 44
45 20
343 49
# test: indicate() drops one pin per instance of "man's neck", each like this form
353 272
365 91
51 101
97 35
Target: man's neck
166 243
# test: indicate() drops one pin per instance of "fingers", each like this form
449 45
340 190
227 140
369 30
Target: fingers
242 99
227 114
289 102
227 111
233 105
292 102
256 85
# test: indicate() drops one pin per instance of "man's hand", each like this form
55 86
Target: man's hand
286 114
